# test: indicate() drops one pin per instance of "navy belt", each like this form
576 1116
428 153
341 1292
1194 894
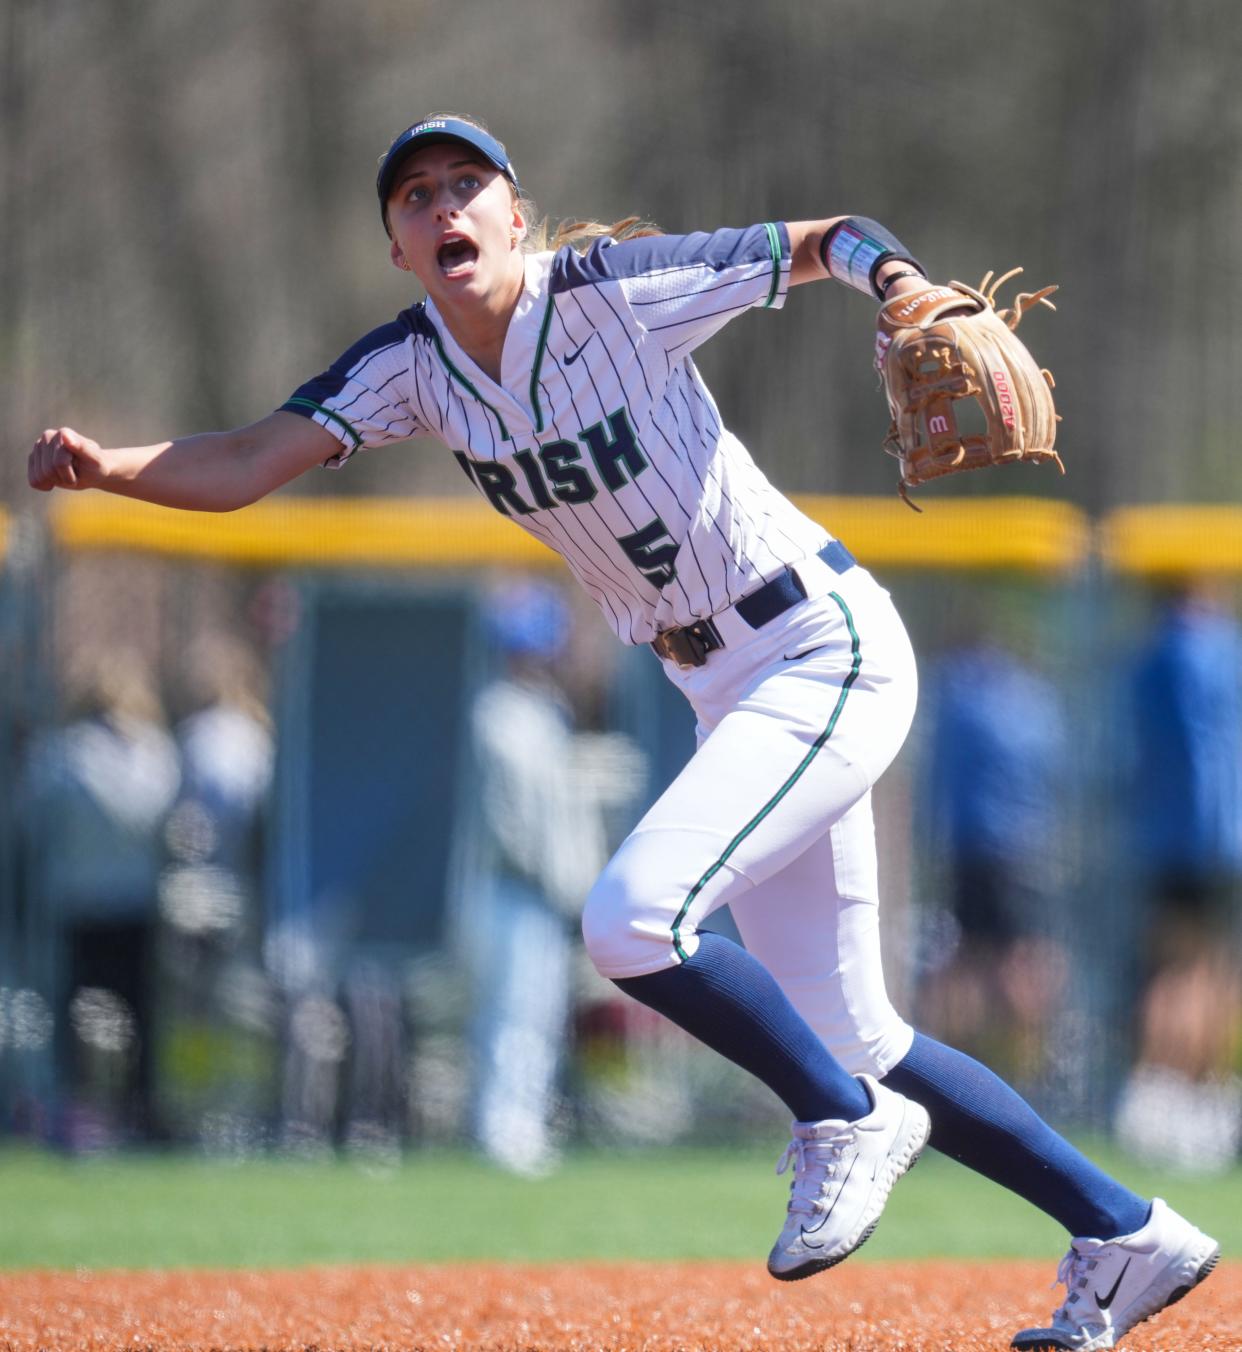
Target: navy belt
690 645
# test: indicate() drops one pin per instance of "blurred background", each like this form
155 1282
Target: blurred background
301 804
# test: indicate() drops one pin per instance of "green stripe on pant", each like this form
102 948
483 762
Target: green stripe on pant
855 666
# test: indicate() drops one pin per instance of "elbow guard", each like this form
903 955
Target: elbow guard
854 250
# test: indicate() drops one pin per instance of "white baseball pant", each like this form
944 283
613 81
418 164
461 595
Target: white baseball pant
772 815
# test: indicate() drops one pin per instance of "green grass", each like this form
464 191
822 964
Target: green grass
439 1207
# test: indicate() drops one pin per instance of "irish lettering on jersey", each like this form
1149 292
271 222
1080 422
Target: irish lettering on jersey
600 438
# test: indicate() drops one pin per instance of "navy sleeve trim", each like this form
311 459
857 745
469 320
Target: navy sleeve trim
308 408
334 379
314 396
606 260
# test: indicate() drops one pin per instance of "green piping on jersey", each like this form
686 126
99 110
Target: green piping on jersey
461 379
303 402
534 374
774 243
856 651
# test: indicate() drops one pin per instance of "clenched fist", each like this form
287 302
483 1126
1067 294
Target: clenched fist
63 458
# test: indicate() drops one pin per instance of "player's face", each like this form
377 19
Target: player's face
454 221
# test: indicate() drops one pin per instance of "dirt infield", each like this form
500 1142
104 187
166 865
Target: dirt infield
919 1307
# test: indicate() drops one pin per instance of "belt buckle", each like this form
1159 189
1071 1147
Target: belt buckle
689 645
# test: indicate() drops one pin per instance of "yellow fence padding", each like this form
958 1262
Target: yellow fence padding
1172 539
292 531
958 533
1031 534
1010 532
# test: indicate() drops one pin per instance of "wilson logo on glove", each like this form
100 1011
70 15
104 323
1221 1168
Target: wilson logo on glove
913 306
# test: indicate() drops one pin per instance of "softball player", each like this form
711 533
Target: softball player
563 381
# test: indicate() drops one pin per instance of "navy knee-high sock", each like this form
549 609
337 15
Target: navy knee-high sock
729 1000
978 1119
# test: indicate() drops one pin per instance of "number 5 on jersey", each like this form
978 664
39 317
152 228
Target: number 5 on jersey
652 551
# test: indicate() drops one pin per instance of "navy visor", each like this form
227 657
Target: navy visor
427 133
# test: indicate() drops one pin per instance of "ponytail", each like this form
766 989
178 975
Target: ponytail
541 236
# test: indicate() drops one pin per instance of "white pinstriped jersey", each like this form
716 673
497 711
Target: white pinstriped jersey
601 438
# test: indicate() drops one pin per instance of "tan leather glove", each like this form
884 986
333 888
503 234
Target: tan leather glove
943 345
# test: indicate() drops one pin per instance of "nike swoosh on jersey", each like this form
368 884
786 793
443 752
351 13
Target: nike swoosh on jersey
577 352
1105 1301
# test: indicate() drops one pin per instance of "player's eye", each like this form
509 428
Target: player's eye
469 181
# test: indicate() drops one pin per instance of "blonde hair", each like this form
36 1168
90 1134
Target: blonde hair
541 235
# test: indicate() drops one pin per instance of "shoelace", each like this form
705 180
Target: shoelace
1072 1274
815 1165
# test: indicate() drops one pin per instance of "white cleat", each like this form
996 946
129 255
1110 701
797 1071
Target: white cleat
1113 1284
843 1173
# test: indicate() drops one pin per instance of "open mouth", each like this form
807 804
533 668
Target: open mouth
456 256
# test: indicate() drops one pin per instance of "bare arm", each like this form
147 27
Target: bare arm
210 472
806 266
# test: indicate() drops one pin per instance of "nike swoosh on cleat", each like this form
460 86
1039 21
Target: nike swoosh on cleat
1105 1301
577 352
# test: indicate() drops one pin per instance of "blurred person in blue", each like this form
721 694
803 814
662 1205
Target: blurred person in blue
535 845
1182 1103
96 795
998 758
